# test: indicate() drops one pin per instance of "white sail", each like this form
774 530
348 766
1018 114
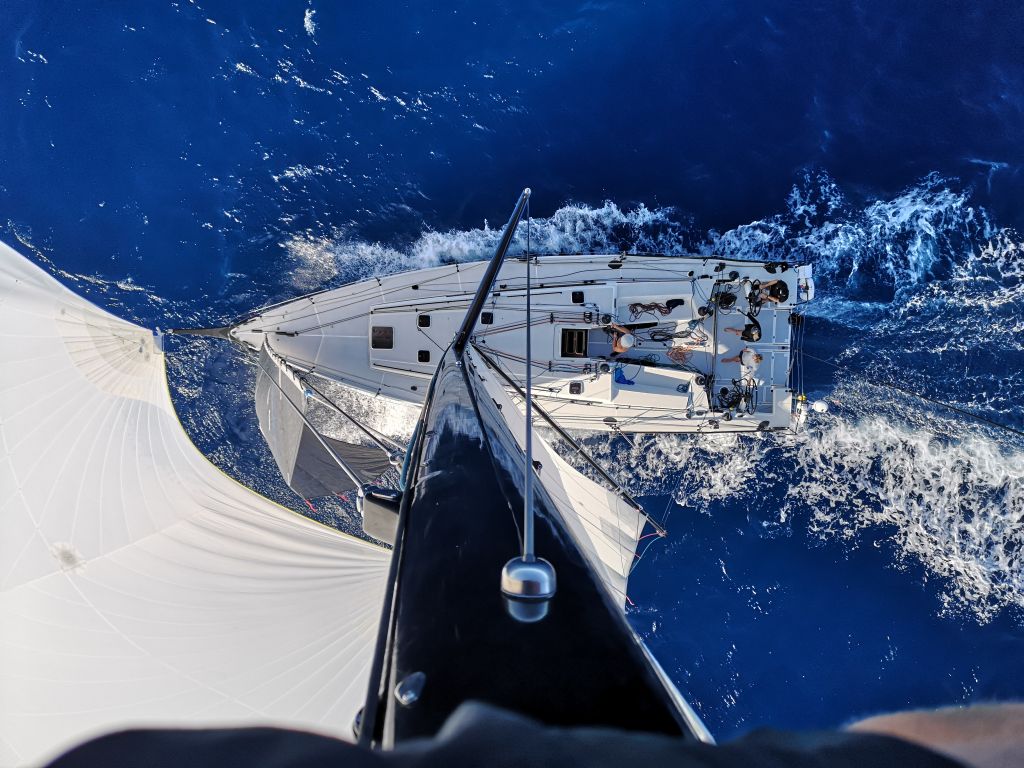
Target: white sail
139 585
303 457
604 526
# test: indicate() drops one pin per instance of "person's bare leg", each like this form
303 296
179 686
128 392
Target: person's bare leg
737 331
984 735
731 359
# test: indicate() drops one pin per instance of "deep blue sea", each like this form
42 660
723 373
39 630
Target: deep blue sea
182 162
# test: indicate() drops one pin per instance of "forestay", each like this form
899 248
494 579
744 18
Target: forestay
138 584
303 456
605 527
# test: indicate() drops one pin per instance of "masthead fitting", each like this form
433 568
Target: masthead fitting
527 587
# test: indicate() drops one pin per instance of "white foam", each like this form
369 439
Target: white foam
954 504
695 470
317 259
311 261
952 496
390 417
899 241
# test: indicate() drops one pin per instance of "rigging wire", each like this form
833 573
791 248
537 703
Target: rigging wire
379 439
352 475
528 470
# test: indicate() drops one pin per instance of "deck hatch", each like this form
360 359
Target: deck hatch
382 337
574 342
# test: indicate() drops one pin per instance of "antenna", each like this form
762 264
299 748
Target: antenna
528 549
528 582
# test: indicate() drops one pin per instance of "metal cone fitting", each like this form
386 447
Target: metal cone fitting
528 586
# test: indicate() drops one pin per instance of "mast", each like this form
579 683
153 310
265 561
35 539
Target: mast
569 658
473 314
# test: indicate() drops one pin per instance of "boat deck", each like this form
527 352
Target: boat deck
386 336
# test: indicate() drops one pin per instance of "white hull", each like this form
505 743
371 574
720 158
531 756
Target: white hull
385 336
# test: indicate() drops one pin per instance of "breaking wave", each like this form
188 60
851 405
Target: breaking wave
956 505
946 496
313 261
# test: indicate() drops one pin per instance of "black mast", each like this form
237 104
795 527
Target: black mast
446 636
469 321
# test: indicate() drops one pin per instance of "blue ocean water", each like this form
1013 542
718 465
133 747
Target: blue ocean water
182 162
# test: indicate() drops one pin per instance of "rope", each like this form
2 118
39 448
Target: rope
662 334
914 393
637 309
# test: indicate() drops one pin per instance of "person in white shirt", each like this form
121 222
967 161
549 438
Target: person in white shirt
622 339
748 358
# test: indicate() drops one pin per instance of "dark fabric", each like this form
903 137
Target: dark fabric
315 473
779 291
477 734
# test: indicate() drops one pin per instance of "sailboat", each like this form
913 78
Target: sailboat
712 342
140 586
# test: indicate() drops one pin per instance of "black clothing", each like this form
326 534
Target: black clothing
480 735
779 291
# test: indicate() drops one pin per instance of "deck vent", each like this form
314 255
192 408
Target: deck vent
574 342
382 337
486 318
423 321
575 387
577 297
423 356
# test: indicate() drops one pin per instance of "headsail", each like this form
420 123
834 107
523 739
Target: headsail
308 461
139 585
